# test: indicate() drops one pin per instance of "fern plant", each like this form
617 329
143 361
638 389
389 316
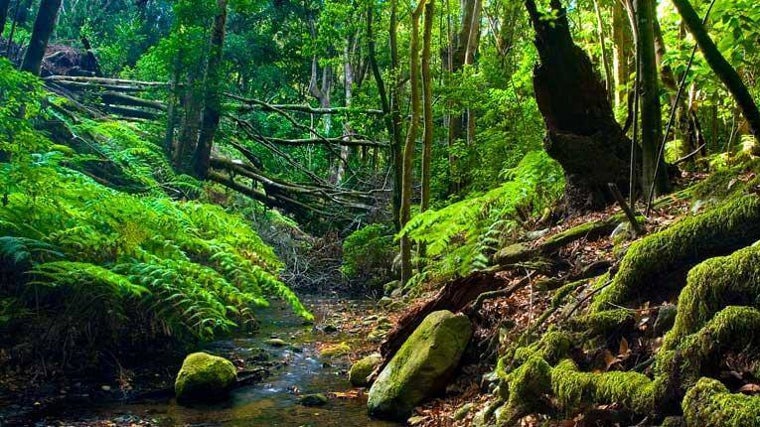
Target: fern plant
461 236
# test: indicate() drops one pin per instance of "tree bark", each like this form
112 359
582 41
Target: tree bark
411 138
212 95
427 96
582 133
395 117
623 52
651 110
44 25
609 81
722 68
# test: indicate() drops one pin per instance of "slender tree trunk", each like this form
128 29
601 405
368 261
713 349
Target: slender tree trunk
212 95
651 111
608 79
192 104
623 52
43 29
171 109
427 96
582 133
348 82
722 68
427 101
395 108
4 6
411 138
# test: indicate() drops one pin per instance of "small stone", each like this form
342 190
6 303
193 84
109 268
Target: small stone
462 412
105 387
276 342
317 399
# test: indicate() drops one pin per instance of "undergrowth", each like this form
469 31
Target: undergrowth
461 237
85 262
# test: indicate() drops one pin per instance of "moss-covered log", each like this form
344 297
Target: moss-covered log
663 259
709 403
575 389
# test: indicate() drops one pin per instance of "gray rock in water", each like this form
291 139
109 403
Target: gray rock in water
421 367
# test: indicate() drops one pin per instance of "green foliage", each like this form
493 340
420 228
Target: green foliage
368 253
461 236
94 255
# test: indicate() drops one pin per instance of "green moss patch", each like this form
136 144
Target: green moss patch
732 225
709 403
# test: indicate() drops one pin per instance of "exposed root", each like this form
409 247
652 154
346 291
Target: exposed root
650 264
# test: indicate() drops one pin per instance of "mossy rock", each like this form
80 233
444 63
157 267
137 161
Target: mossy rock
204 378
317 399
422 366
335 350
709 403
360 370
719 231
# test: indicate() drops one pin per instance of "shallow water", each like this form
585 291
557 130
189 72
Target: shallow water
269 403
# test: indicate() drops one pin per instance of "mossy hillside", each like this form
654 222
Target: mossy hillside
719 231
709 403
422 365
714 284
204 377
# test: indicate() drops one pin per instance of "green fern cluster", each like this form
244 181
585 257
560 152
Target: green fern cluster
84 253
461 236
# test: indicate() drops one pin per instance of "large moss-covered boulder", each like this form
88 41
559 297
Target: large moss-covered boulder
421 367
204 378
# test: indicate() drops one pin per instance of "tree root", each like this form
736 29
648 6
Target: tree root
650 264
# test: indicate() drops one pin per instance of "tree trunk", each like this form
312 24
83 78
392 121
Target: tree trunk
466 41
623 52
4 6
609 81
427 96
725 72
43 29
582 133
411 138
395 116
212 95
651 111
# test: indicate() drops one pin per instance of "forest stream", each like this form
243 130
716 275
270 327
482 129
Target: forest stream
297 369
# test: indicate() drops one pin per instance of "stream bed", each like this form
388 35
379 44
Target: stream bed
271 402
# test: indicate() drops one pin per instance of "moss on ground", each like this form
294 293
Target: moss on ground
575 389
719 231
714 284
732 329
709 403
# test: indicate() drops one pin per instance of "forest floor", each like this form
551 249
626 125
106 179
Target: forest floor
513 315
